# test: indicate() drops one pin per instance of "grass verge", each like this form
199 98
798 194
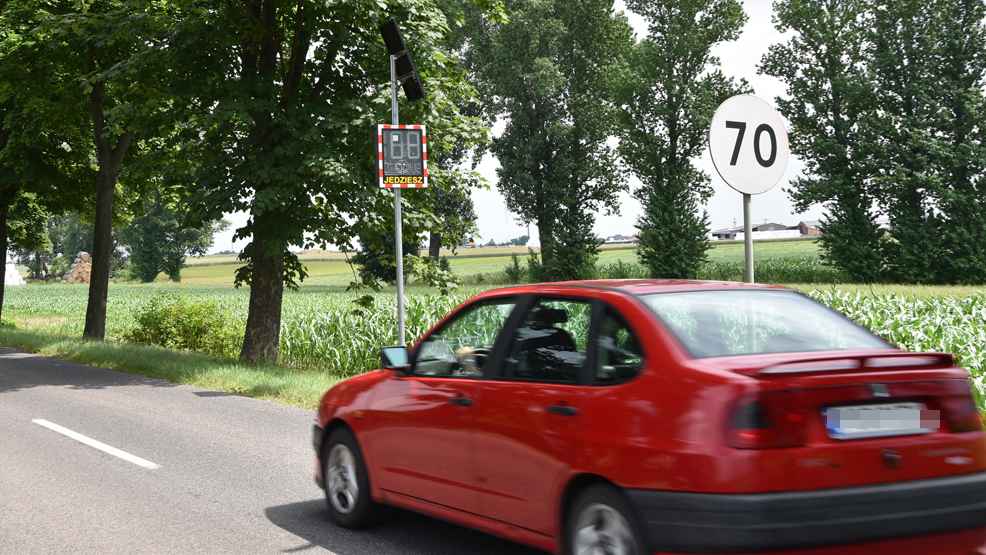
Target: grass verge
268 382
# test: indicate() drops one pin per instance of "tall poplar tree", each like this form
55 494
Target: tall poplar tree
824 66
549 73
673 90
928 60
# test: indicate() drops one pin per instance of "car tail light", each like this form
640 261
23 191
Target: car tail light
763 422
961 413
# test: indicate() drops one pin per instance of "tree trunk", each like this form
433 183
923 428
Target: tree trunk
545 239
102 249
110 159
263 329
435 245
3 250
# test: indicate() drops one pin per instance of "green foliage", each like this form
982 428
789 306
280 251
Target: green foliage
672 230
280 101
944 324
824 65
792 269
160 241
535 268
928 65
623 270
69 236
454 210
519 241
672 87
549 73
514 272
376 261
884 100
175 322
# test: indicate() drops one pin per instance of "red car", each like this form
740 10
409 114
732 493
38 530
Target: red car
653 416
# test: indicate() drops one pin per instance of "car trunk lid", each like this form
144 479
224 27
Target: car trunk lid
852 418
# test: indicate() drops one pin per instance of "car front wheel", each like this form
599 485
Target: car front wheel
600 522
347 486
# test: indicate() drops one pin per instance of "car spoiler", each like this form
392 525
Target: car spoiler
851 363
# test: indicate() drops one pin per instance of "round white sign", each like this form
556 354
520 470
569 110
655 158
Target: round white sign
748 143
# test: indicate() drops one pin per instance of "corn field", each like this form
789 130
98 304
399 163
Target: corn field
328 332
944 324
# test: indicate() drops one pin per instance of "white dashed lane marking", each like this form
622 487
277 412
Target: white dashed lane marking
97 444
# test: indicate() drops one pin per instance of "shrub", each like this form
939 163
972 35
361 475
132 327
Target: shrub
514 273
175 322
623 270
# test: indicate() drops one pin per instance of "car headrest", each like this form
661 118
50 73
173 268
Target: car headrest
551 316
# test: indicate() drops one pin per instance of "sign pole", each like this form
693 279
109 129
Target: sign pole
749 147
398 232
748 236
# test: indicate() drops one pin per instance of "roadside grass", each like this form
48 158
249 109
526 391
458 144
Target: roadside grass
269 382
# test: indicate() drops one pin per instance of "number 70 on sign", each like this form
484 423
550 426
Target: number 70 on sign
748 144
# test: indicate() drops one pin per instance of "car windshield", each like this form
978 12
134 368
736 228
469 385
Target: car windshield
726 323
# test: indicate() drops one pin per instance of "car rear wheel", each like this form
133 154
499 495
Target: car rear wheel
600 522
347 486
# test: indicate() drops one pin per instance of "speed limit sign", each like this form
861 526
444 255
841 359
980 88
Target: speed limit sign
748 143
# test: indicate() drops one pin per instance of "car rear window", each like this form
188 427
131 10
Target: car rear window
727 323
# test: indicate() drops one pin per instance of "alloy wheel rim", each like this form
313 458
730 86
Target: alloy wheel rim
341 479
602 530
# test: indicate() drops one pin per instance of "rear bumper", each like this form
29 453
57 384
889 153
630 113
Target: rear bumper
678 522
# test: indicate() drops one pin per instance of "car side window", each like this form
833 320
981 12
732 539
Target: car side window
619 357
551 343
462 346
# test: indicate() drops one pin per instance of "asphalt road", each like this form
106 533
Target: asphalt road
223 473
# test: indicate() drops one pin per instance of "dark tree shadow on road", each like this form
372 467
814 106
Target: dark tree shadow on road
400 532
19 370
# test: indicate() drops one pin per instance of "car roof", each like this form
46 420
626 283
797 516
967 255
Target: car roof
637 286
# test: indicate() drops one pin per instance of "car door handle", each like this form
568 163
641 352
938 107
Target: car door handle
464 401
563 410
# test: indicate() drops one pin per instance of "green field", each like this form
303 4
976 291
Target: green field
219 269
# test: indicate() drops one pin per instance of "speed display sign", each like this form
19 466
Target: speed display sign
748 143
402 156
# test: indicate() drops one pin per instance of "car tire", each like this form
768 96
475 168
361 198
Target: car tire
347 485
601 521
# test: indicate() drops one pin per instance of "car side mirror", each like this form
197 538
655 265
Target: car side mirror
394 358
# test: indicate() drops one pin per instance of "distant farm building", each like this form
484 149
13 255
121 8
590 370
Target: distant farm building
810 227
617 239
769 230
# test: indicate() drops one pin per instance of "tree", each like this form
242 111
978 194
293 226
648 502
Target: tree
548 73
824 66
457 215
673 88
41 162
160 240
375 262
927 62
94 54
280 101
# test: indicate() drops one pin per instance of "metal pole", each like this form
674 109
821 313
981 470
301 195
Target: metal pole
748 237
397 213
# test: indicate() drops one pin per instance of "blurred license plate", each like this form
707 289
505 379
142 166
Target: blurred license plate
890 419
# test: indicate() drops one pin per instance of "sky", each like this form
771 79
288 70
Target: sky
725 208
